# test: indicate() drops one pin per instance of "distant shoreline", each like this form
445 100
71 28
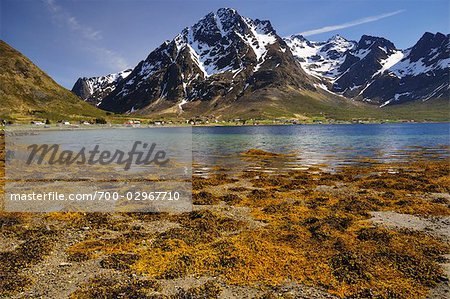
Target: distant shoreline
123 127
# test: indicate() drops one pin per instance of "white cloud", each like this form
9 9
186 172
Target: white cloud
88 37
65 18
108 57
351 23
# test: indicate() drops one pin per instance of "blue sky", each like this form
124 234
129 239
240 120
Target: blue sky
73 38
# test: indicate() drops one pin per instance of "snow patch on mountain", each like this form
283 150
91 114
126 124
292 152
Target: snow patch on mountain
390 62
259 39
320 59
148 69
96 83
397 96
408 68
361 53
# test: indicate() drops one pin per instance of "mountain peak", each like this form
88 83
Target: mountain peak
297 37
337 38
226 11
431 45
223 15
367 41
94 89
213 26
429 37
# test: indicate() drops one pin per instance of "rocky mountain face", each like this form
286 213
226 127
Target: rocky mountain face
374 70
95 89
226 57
418 73
221 58
321 59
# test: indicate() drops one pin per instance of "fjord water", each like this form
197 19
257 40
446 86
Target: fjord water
307 145
323 145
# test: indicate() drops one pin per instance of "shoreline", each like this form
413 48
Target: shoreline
312 220
306 233
118 126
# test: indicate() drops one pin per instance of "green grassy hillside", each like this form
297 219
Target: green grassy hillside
308 106
27 93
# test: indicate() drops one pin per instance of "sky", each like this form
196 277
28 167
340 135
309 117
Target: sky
69 39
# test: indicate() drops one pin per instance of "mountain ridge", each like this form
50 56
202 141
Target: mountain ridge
374 70
220 59
226 58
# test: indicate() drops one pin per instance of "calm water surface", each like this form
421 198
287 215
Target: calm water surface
331 145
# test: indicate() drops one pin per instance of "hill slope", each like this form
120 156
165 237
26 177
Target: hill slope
26 92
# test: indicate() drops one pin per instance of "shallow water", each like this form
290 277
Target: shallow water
326 146
309 145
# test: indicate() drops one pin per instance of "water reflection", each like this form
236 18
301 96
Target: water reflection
327 146
305 145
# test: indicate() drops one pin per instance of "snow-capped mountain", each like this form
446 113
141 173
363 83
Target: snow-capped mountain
417 73
222 58
374 70
362 63
226 58
320 59
95 89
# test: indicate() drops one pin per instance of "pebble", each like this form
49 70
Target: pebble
64 264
